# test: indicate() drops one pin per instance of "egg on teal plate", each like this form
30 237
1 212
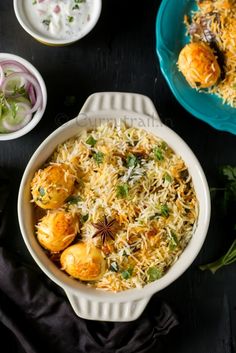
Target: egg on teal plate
170 39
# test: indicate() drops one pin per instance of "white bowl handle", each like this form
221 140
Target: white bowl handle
106 311
127 102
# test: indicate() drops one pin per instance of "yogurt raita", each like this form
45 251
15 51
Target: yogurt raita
59 19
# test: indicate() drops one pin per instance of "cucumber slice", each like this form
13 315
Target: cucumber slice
16 117
15 84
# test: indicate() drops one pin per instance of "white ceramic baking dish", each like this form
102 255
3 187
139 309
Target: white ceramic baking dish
139 111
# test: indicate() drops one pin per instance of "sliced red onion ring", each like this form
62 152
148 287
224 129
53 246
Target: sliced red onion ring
13 65
31 94
31 79
26 117
2 75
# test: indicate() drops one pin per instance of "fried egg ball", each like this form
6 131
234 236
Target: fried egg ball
199 66
52 185
83 261
57 230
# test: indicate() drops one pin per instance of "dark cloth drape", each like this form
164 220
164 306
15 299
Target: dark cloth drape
36 317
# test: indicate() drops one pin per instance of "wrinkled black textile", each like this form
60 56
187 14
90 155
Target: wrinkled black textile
35 316
4 190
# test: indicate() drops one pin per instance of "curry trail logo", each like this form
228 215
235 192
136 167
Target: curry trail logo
84 120
61 119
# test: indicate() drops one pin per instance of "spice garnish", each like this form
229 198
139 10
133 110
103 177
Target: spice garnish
104 229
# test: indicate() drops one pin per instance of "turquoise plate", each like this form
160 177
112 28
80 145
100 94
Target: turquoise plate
170 39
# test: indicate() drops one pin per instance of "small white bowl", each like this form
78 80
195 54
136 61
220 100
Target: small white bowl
39 113
29 27
138 111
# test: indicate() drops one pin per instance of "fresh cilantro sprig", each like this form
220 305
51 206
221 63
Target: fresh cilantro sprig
20 90
229 174
229 188
229 196
14 109
224 260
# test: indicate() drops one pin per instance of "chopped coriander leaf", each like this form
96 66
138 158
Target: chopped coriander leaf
155 216
91 141
125 253
173 241
164 210
75 7
20 90
168 177
164 145
85 218
41 191
2 99
114 267
98 157
34 2
70 19
153 274
122 190
79 1
131 161
158 154
46 22
14 109
126 274
73 199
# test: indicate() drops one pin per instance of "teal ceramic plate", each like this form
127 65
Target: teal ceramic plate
170 39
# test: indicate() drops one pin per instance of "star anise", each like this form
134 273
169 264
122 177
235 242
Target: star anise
104 229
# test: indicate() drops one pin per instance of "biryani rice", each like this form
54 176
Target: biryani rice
156 214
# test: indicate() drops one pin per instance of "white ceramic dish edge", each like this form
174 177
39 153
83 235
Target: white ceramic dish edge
39 113
87 302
